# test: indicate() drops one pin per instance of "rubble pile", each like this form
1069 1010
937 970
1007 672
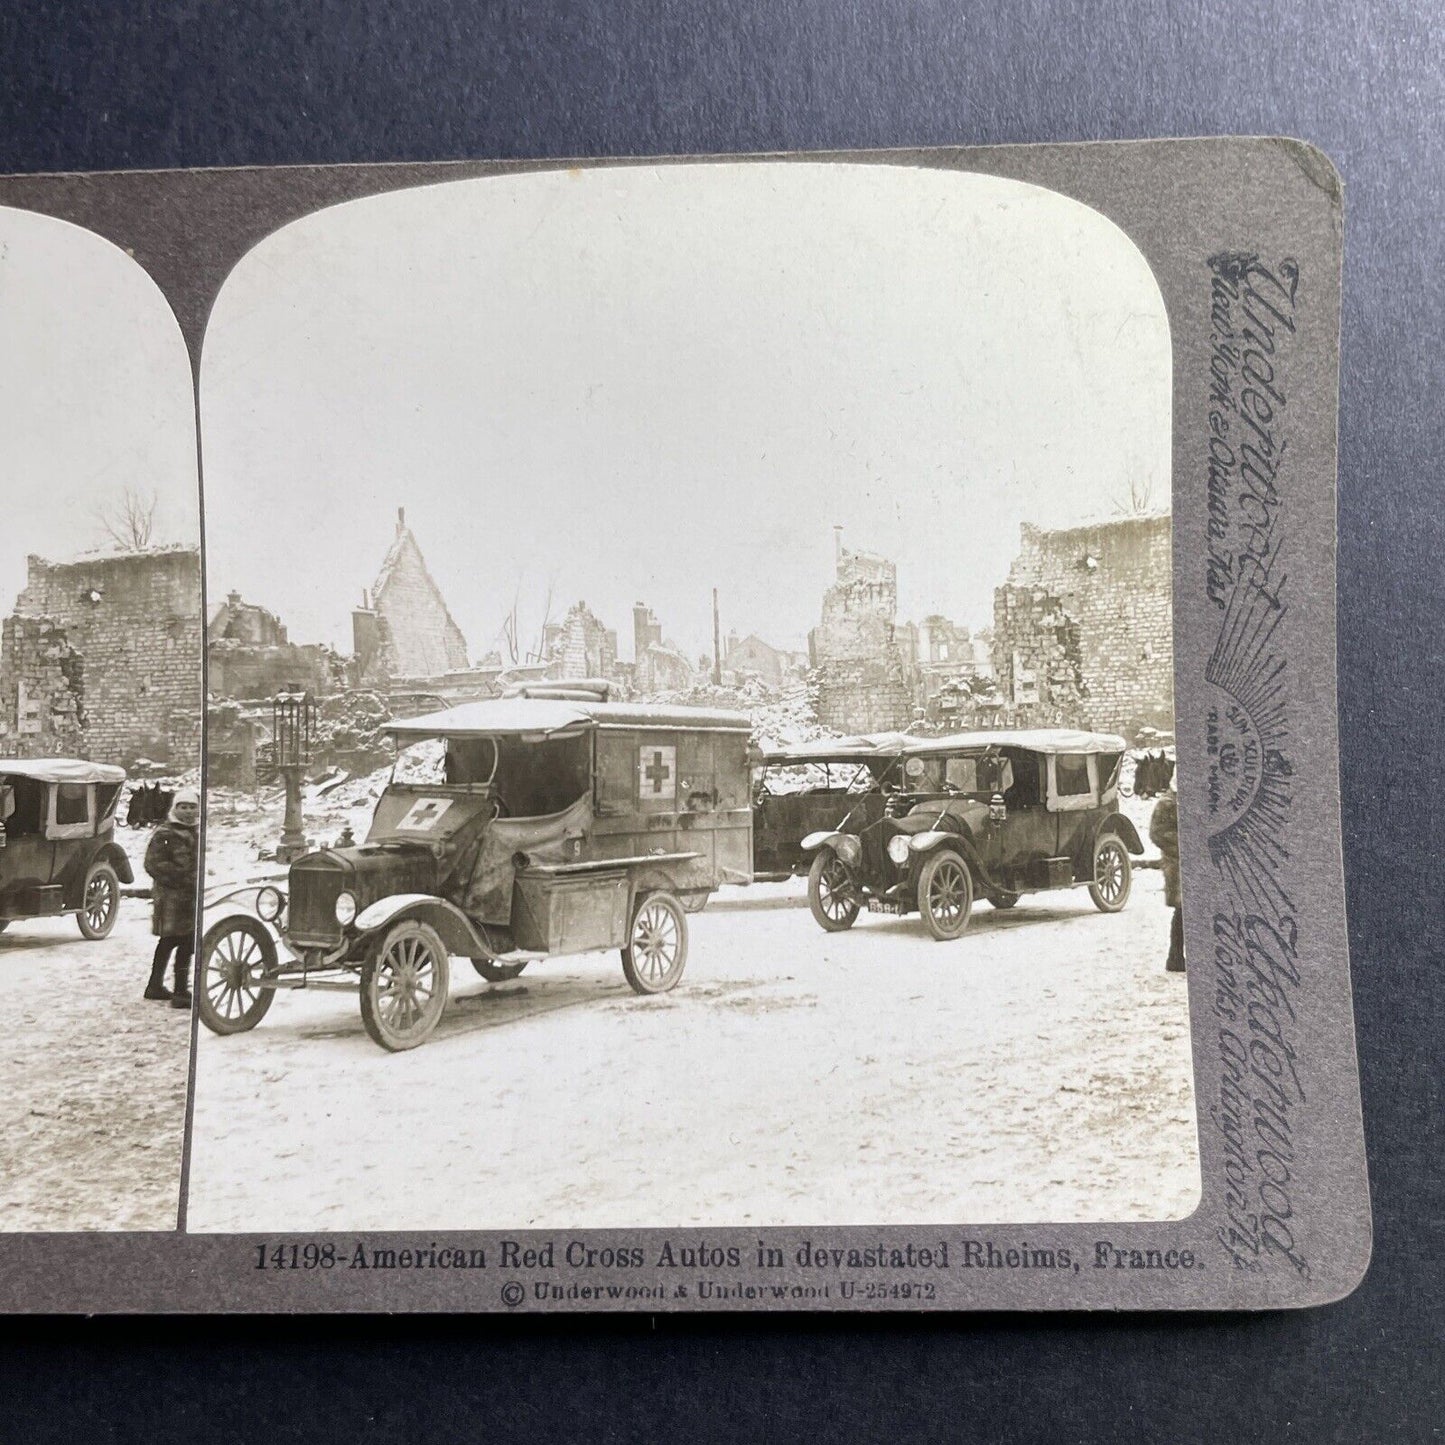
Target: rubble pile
781 716
348 731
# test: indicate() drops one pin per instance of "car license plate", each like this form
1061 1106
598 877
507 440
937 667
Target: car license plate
884 905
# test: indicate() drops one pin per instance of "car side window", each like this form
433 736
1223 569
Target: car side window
72 803
1071 774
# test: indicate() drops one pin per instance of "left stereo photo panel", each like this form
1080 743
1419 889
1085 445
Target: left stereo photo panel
101 702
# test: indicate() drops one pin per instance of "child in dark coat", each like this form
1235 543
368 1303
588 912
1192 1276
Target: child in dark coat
171 860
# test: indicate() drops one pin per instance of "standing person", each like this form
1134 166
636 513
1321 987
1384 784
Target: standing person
171 861
1164 834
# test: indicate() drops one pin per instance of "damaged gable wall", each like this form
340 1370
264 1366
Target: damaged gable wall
408 630
1083 628
102 659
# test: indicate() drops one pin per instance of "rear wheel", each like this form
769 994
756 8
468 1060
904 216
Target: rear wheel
656 952
404 986
99 902
238 956
945 894
1113 875
832 894
497 972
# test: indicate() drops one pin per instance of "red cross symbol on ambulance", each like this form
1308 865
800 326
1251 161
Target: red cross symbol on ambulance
424 814
659 772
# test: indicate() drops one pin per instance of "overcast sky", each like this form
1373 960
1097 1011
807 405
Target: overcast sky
640 384
95 395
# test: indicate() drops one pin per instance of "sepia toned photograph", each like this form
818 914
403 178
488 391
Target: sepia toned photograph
101 707
690 717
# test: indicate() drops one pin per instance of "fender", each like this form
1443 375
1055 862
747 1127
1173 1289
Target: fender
118 859
845 845
72 876
962 843
456 930
1127 832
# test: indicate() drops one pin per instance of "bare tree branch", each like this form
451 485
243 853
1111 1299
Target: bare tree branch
129 521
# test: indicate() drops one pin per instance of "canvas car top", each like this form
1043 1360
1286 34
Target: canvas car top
546 716
840 750
61 770
1036 740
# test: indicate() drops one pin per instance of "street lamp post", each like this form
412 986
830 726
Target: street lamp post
293 716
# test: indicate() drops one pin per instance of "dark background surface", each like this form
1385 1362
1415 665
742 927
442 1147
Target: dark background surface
97 86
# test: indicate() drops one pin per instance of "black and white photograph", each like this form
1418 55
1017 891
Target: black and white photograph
690 717
101 710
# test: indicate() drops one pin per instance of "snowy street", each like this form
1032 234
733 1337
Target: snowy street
1037 1068
93 1108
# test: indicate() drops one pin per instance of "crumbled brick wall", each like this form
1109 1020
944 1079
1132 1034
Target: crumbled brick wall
1087 645
583 646
104 654
862 659
661 669
239 670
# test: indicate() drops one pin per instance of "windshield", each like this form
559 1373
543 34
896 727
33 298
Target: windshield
530 778
980 774
835 777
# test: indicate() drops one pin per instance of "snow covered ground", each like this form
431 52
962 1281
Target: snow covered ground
93 1109
1036 1069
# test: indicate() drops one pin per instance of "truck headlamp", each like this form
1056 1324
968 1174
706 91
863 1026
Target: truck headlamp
345 909
269 903
898 848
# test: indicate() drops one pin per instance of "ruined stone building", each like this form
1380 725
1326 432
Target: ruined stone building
102 659
750 655
1083 627
249 656
660 668
581 645
646 629
862 656
404 628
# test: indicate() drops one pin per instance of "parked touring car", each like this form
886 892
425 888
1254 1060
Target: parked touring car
988 814
806 787
557 824
58 852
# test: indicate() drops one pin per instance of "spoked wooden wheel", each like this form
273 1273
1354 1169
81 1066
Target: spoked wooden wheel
945 894
656 952
238 957
100 901
497 972
832 894
1113 875
404 985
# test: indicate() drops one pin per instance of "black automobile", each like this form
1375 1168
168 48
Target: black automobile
802 788
58 853
988 814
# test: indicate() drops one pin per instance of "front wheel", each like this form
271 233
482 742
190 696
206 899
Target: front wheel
99 902
1113 875
832 894
404 986
238 956
656 952
945 894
